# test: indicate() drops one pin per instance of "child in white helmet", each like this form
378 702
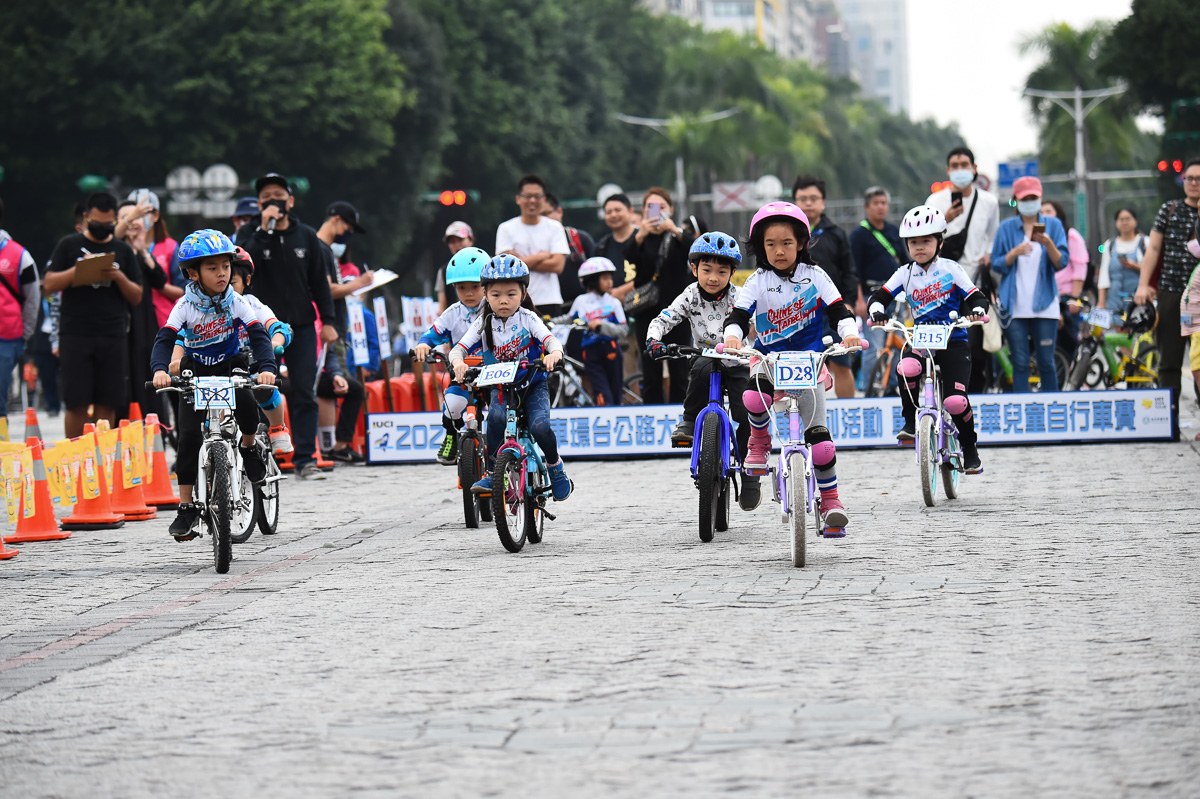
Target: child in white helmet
605 323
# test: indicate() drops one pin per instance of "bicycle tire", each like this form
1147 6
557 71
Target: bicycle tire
880 374
723 507
950 474
246 513
534 518
484 506
508 472
266 499
1079 369
466 478
798 503
633 389
1062 365
927 454
220 506
708 476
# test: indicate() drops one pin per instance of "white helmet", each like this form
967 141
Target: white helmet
924 220
596 265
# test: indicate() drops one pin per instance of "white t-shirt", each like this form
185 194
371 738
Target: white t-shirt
546 236
1126 248
983 226
1028 267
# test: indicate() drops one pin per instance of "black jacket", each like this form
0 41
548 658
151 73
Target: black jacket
290 271
830 250
676 273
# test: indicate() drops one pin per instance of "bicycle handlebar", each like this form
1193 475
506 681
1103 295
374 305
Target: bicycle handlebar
749 352
180 384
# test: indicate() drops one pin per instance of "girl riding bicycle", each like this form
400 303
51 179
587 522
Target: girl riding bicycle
511 330
788 299
935 287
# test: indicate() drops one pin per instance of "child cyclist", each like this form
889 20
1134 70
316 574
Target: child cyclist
209 317
704 305
788 299
511 331
935 286
463 273
605 320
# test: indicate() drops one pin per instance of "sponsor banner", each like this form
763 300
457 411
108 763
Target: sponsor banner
1005 419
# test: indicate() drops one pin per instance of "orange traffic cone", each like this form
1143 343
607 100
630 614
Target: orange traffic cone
322 463
5 552
159 492
41 526
135 412
32 428
129 502
97 513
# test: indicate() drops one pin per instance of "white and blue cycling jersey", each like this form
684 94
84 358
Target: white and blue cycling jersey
592 306
521 337
933 292
209 330
789 313
452 325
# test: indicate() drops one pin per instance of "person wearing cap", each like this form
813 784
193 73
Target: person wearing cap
1029 248
341 222
247 208
154 239
458 236
292 277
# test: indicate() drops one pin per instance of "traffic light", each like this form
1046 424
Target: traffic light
92 183
934 188
300 185
451 197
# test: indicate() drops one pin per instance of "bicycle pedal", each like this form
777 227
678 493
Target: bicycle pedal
548 514
832 532
757 471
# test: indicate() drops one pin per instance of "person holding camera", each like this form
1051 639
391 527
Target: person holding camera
291 276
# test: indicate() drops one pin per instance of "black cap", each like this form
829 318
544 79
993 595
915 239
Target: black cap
272 179
348 213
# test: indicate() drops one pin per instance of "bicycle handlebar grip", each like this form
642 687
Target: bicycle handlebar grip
720 348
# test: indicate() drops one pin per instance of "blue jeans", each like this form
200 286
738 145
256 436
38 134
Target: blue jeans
1043 332
10 356
536 400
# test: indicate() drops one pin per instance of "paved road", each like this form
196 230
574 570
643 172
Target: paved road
1036 637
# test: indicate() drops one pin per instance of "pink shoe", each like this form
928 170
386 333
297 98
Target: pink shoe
833 514
757 451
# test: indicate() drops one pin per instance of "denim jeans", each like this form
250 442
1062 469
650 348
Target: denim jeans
1043 332
10 356
536 400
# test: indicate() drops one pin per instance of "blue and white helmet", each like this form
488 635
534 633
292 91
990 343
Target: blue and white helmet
715 244
503 268
204 244
466 266
596 265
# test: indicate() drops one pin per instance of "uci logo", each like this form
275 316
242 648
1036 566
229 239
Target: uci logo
775 290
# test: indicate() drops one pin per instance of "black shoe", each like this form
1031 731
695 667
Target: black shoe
447 454
751 493
971 462
183 527
908 432
347 455
681 436
253 463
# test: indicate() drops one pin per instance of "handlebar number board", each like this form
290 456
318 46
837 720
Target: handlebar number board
930 337
498 374
796 370
709 352
214 393
1101 317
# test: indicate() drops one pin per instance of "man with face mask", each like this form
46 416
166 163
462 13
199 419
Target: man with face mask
94 317
972 216
341 222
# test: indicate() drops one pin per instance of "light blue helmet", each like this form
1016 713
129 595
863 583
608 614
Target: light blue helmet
505 267
205 243
715 244
465 265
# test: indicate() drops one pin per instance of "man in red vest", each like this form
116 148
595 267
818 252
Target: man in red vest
20 298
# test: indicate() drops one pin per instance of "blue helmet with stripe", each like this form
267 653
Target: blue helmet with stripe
715 244
204 244
505 268
466 265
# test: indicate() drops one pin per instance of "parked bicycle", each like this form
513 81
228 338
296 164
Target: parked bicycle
1113 352
567 389
883 380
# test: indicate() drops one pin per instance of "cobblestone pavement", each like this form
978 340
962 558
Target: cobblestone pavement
1036 637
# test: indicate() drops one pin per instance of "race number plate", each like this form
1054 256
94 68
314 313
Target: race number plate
930 337
709 352
498 374
1100 317
215 392
796 370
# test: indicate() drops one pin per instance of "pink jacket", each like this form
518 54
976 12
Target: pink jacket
1077 261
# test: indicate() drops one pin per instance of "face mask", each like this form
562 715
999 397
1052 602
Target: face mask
101 230
342 239
338 249
1193 247
961 178
1029 207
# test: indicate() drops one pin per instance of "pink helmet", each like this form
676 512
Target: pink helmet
779 209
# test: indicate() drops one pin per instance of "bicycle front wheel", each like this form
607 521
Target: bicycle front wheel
708 475
927 452
220 506
467 457
508 501
798 502
950 474
246 512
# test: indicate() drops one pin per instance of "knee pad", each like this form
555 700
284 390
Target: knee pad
910 367
455 404
824 453
272 402
957 404
755 402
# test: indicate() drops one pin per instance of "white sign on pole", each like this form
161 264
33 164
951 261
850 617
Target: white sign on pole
382 329
358 333
768 188
737 196
220 181
184 183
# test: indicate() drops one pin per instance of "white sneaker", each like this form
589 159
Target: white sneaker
281 440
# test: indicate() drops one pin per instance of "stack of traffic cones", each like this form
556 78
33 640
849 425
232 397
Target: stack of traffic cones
32 428
158 491
41 526
97 513
129 502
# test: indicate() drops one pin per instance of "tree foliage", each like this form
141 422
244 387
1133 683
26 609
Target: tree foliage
1153 50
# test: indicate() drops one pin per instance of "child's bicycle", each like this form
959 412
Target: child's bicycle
714 449
259 504
795 484
937 438
219 482
1109 357
520 477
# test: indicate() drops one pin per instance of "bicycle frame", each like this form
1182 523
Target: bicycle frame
728 443
795 444
215 429
517 437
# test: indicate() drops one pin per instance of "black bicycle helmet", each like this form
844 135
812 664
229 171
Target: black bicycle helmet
1140 318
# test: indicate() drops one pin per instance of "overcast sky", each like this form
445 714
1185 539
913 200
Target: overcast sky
964 66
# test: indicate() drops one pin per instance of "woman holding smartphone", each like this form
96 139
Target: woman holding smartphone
1121 264
1027 252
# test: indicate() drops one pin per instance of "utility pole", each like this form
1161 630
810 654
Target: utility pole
660 125
1079 112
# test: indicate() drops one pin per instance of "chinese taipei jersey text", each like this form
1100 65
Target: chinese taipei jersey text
789 313
592 306
520 337
934 292
452 325
208 335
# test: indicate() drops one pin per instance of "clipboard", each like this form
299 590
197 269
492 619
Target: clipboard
91 268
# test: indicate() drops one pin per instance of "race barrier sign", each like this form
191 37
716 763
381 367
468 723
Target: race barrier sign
1002 419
